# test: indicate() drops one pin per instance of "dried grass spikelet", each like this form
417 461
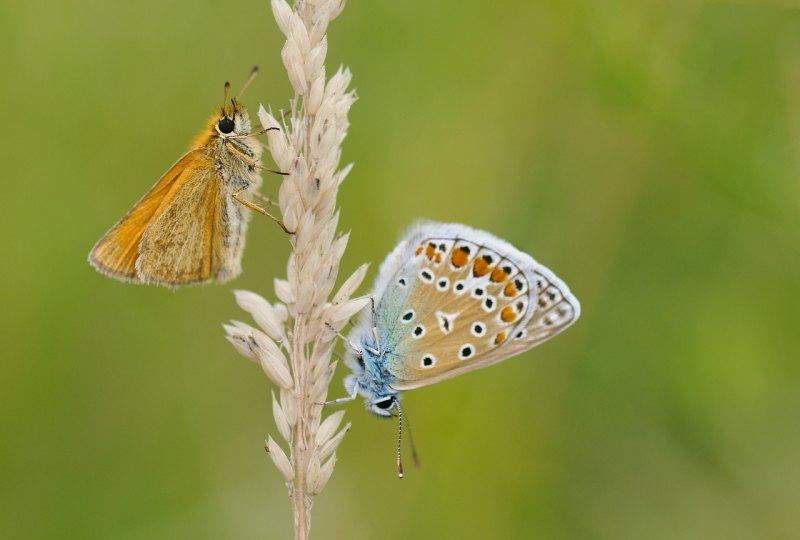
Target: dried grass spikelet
292 340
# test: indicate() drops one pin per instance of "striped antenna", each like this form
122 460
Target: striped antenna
400 439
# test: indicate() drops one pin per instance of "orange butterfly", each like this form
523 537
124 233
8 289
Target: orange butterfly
190 227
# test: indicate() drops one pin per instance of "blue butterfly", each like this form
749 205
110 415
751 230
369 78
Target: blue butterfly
450 299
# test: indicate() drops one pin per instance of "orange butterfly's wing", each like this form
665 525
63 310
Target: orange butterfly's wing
193 240
116 253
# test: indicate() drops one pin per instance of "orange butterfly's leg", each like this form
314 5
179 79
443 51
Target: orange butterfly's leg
255 133
266 199
248 204
250 161
260 210
273 171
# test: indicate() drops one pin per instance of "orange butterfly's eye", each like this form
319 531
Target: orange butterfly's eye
225 125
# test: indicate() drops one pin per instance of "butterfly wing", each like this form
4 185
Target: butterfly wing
190 241
461 299
116 253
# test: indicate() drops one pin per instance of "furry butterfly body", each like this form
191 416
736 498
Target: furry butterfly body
451 299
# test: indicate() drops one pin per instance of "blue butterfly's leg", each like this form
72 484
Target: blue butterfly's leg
375 326
339 334
345 399
377 339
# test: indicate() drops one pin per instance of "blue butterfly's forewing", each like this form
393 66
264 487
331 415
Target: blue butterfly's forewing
452 299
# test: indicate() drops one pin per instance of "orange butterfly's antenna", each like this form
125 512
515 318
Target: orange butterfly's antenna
253 73
400 439
225 93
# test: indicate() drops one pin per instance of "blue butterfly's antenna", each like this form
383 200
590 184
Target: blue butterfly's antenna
400 439
414 455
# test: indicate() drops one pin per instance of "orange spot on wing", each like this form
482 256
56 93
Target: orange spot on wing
498 275
460 257
510 290
438 257
480 267
430 250
499 338
542 302
419 250
508 314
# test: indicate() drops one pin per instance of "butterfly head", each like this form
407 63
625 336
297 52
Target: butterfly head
233 119
369 380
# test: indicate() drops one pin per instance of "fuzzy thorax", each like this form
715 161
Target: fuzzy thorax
370 379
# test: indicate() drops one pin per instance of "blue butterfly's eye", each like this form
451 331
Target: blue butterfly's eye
385 404
360 360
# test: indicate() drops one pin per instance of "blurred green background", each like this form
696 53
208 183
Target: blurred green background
648 152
